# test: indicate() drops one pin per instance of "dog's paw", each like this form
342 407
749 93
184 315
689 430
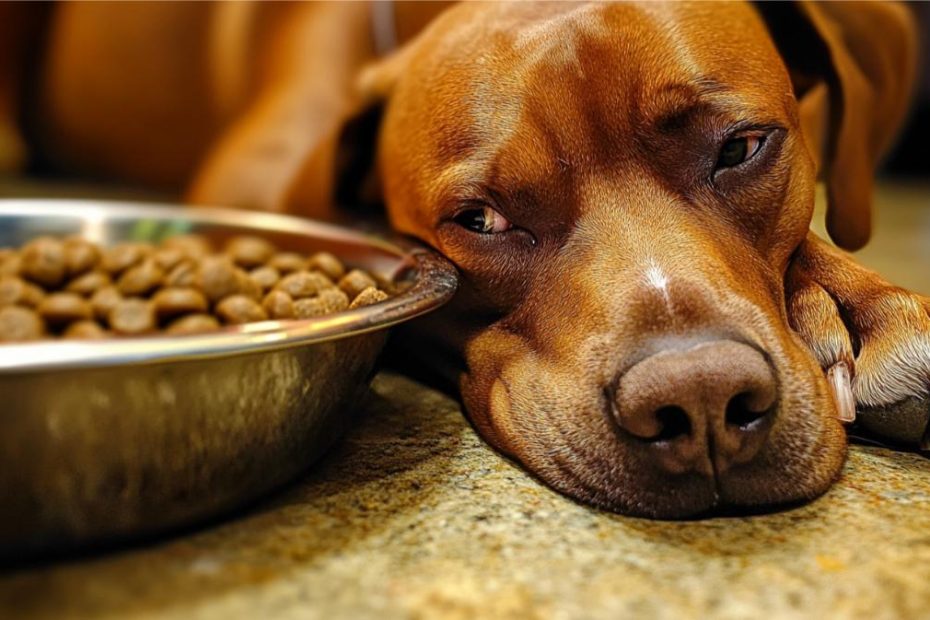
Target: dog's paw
854 321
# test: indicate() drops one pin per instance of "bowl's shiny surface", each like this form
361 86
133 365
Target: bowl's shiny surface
105 440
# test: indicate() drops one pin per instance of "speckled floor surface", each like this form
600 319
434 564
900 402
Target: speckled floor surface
412 516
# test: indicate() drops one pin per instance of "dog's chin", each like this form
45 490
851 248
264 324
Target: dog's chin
580 453
632 485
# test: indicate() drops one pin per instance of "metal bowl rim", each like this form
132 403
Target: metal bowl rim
435 283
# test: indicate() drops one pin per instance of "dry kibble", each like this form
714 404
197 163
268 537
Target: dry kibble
193 246
133 316
287 262
278 305
217 277
334 299
327 264
327 302
140 279
355 282
122 256
169 258
60 308
88 283
16 291
18 324
237 309
174 301
10 263
303 284
265 277
182 274
193 324
249 251
43 261
248 286
85 330
80 256
104 300
369 296
73 288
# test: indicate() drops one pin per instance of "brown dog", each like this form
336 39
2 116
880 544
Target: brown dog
625 188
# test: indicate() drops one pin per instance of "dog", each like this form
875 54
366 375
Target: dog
645 319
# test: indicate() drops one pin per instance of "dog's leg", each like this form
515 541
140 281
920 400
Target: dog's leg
20 25
310 56
850 315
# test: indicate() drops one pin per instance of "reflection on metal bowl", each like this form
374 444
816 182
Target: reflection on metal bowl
107 440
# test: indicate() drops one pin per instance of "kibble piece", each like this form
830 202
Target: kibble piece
89 283
237 309
85 330
193 246
169 258
193 324
303 284
122 256
248 286
173 301
10 263
278 305
327 302
328 264
104 300
334 299
16 291
132 316
249 251
182 274
80 256
265 277
61 308
287 262
355 282
43 261
217 277
141 279
369 296
17 324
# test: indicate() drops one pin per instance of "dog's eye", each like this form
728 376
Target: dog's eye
739 150
484 220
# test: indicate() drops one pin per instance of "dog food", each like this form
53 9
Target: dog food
72 288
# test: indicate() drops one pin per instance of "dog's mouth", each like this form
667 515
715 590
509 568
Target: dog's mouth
714 426
676 433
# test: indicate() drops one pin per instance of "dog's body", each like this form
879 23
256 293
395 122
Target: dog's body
626 190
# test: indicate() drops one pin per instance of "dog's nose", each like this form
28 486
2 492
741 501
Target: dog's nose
703 408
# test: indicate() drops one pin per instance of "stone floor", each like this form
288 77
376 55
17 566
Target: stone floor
413 516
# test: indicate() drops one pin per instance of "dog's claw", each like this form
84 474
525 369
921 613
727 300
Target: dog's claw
840 385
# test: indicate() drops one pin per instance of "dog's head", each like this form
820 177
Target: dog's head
622 187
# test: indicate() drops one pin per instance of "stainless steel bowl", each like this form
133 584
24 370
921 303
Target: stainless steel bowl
101 441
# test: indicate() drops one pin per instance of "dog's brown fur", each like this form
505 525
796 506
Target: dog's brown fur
595 130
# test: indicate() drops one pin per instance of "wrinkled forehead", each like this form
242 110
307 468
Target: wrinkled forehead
483 66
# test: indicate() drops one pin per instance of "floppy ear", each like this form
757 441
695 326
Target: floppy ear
340 173
852 65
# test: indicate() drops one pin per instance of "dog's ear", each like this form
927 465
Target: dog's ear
340 173
852 65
